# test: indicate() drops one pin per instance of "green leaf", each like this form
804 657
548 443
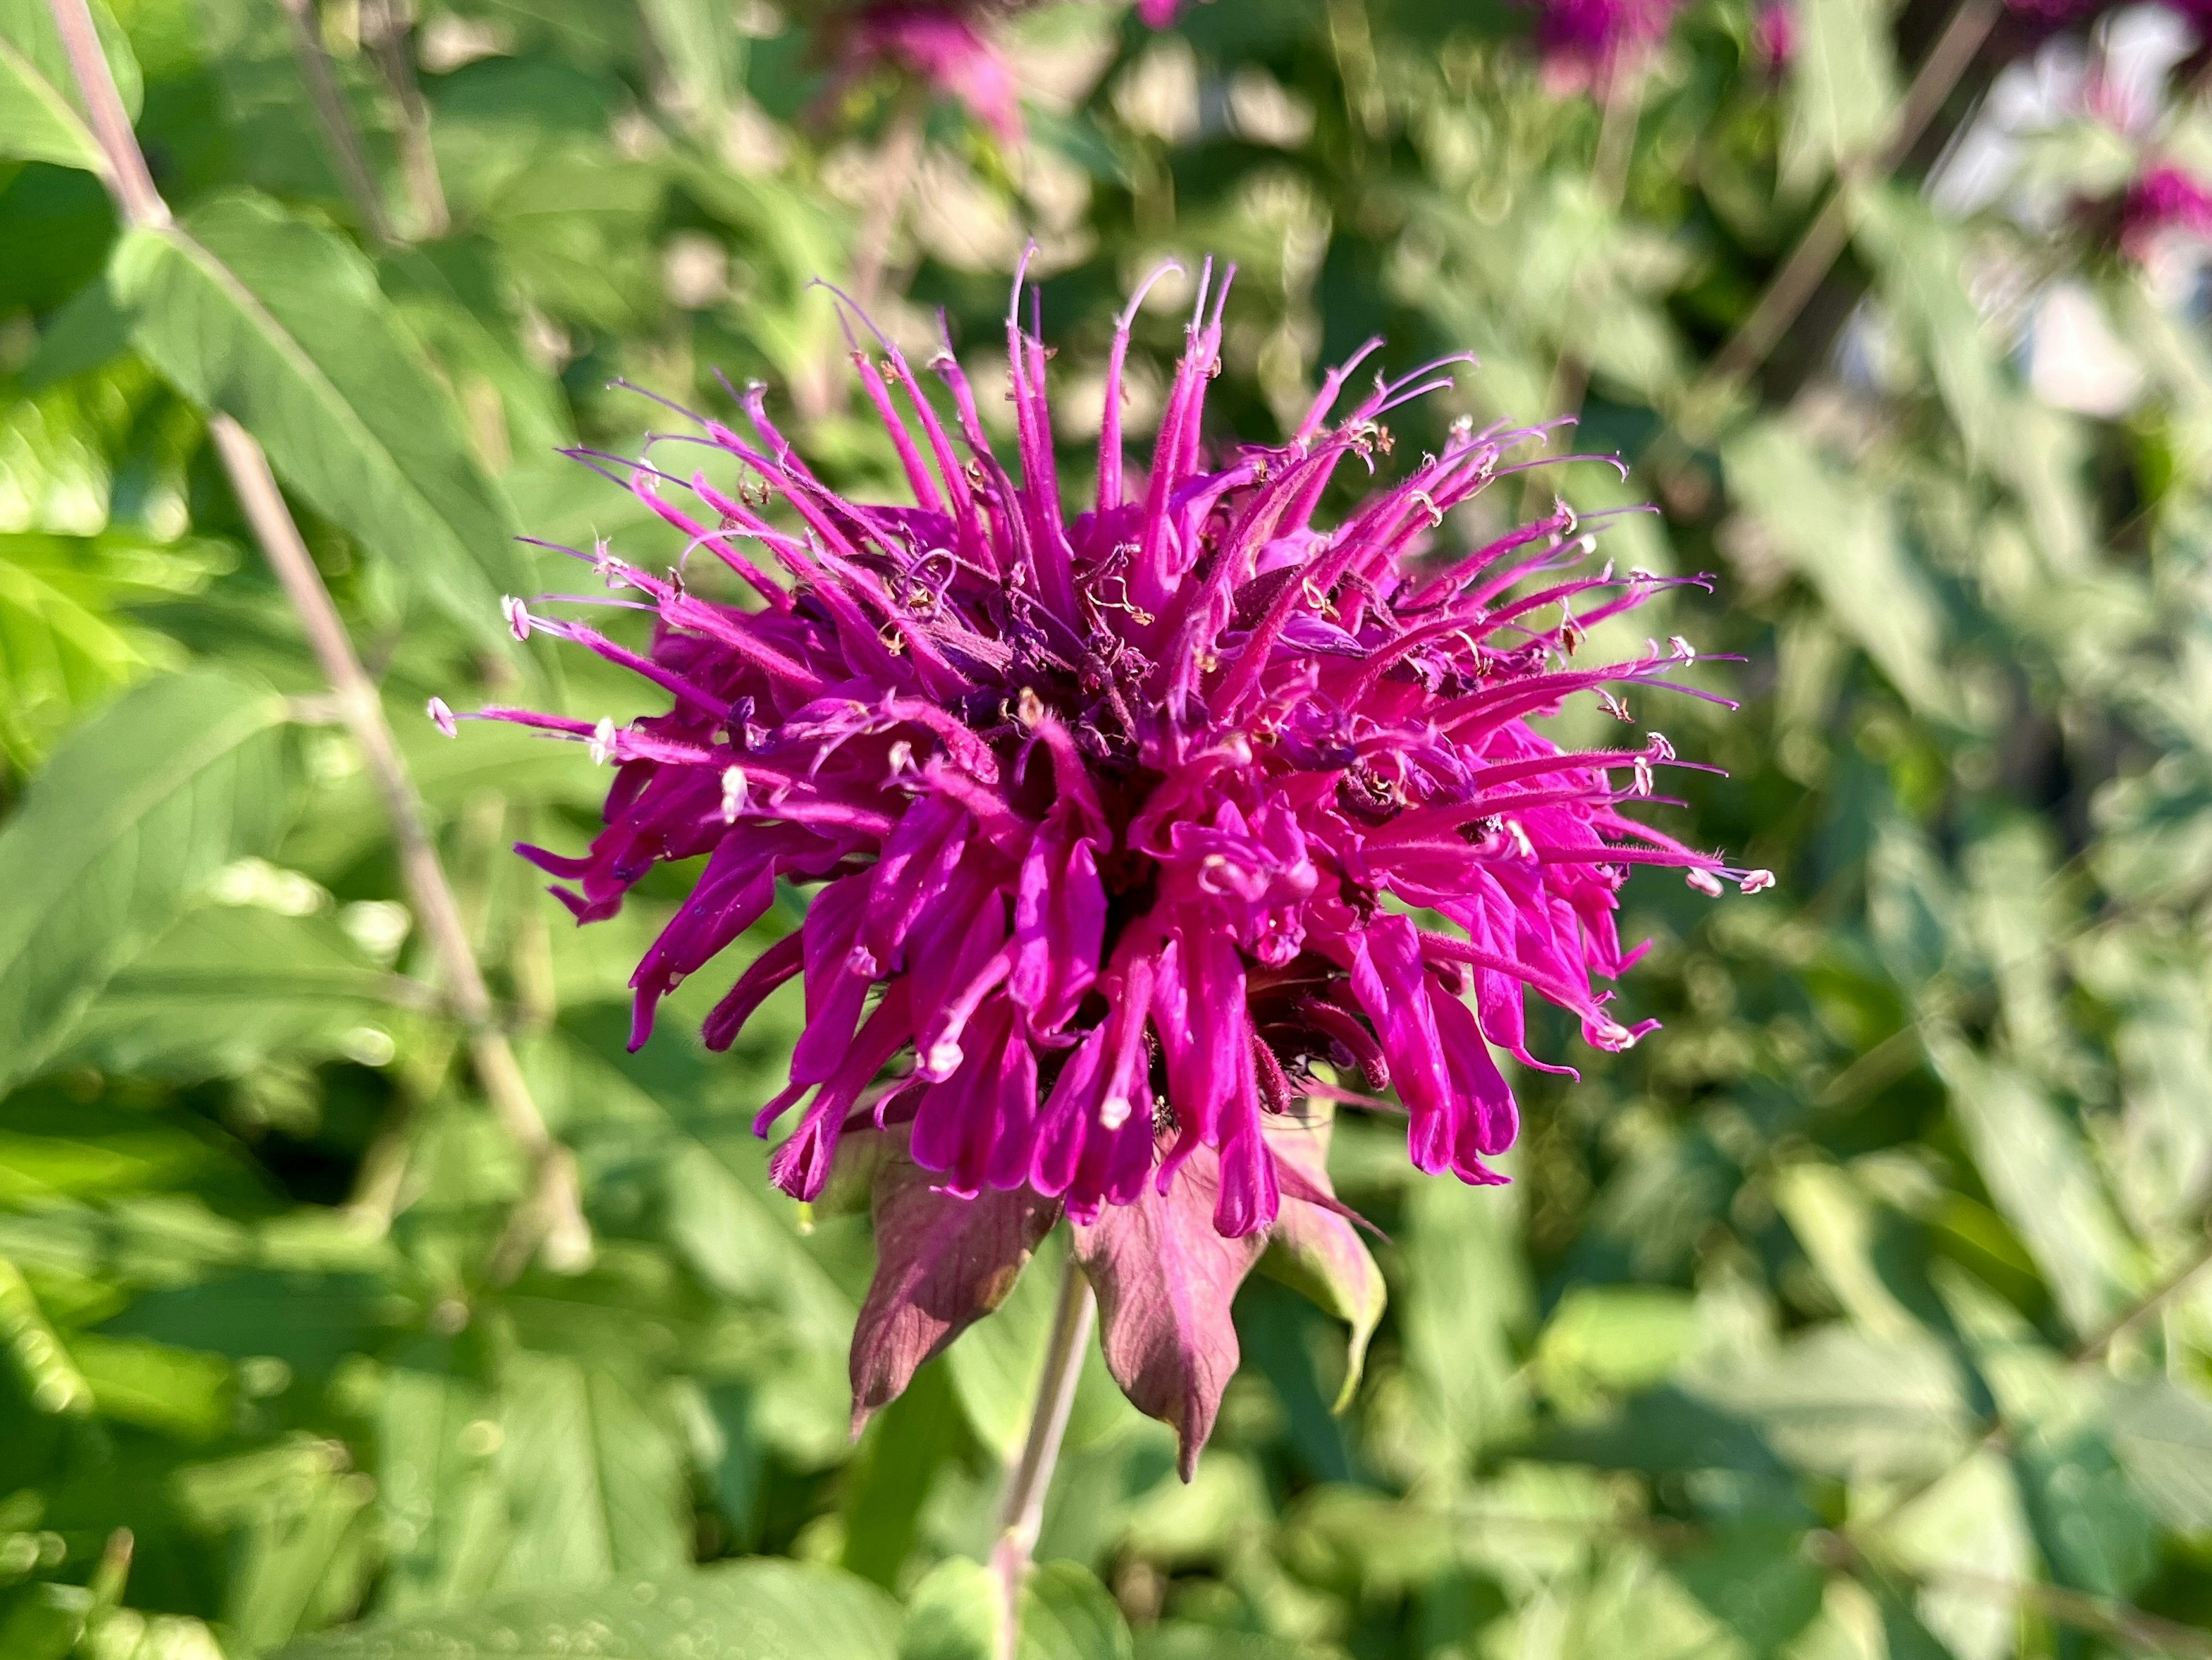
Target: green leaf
702 52
2162 1433
2039 1171
955 1613
1852 1244
174 1391
1844 77
311 1322
1464 1297
230 988
918 1432
1844 539
253 311
1320 1254
41 117
437 1433
303 1538
45 1623
1839 1401
759 1609
997 1362
1614 1337
1922 258
1755 1578
66 646
595 1477
1066 1615
88 332
137 810
1180 1639
1969 1525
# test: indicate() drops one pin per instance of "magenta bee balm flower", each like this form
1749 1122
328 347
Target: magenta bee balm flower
1585 43
2162 199
1120 819
942 43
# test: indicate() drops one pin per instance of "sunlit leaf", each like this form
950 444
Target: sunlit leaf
41 115
1839 534
254 311
136 810
754 1610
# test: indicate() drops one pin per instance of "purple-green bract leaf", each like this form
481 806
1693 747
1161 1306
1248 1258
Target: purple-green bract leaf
942 1263
1166 1279
1318 1252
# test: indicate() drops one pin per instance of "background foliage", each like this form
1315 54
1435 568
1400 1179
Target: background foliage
1847 1318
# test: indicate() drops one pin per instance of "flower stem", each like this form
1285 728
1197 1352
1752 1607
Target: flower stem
345 147
1619 110
552 1216
896 162
1021 1511
387 30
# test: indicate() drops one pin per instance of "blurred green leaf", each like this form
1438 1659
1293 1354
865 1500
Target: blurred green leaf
1066 1615
45 1622
152 1384
701 51
594 1475
1610 1337
1842 537
229 987
1756 1578
65 642
1839 1401
311 1322
2162 1432
752 1610
2040 1175
136 810
252 310
1969 1524
1923 261
956 1613
1177 1639
1463 1298
1843 78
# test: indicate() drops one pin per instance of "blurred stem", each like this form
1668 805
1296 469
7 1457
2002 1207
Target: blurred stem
337 124
388 29
2099 1616
1021 1511
1801 273
896 162
552 1215
1351 38
1622 103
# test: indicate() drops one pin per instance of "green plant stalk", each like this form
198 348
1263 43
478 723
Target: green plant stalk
388 31
338 127
1619 110
896 162
552 1214
1021 1512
